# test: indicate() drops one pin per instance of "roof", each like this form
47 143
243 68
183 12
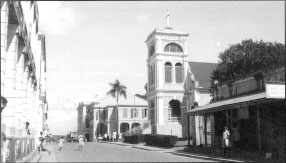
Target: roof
217 106
167 31
130 100
202 72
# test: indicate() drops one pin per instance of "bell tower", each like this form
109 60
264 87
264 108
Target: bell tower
167 71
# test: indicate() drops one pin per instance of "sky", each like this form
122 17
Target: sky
90 44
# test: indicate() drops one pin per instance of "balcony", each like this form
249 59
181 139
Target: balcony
174 119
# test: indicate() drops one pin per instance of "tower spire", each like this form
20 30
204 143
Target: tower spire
168 19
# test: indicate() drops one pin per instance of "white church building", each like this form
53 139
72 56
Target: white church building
175 84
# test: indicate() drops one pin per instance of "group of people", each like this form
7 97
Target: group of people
43 140
112 137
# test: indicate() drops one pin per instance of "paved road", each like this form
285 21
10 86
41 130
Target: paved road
105 152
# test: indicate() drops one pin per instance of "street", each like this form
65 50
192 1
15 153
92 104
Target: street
106 152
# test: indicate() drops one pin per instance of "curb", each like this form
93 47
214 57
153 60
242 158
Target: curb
207 157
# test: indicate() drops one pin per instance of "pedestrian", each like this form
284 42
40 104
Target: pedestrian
236 136
114 136
42 142
80 143
105 137
226 141
61 143
120 137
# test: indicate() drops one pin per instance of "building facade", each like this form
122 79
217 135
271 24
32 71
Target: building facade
23 62
174 84
253 109
105 118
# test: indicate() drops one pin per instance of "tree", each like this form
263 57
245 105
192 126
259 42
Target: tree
144 97
248 57
117 89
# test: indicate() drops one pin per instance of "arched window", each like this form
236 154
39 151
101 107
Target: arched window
175 110
168 72
152 75
172 47
179 73
151 50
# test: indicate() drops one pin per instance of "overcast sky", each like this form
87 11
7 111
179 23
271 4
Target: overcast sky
90 44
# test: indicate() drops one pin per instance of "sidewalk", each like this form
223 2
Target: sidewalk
177 151
45 156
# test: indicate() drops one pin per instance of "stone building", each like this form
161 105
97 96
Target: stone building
23 69
174 83
97 118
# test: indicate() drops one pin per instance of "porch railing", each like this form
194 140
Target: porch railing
17 148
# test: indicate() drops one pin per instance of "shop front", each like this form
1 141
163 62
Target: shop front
256 122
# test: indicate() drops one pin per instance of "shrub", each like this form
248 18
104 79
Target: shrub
135 139
161 140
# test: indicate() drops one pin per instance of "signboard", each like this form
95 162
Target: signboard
275 90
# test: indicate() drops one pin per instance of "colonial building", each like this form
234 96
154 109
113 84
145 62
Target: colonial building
104 117
252 107
23 68
174 84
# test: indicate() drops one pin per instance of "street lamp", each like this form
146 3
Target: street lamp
3 103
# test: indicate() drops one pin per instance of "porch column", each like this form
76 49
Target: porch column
258 127
205 129
188 130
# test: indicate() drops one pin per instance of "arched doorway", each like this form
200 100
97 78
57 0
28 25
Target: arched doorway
124 127
175 108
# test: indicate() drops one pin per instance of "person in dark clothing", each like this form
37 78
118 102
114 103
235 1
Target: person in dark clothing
41 146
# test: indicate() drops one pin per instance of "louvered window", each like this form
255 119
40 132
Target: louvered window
124 113
172 47
168 72
179 73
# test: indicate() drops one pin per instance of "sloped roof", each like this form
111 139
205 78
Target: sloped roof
110 101
202 72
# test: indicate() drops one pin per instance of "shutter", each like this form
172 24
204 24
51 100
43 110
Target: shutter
179 74
168 74
137 113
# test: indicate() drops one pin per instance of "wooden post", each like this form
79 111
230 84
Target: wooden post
188 130
258 128
205 129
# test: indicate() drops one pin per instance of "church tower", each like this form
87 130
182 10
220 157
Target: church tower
167 71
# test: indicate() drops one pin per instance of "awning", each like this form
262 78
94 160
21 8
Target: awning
217 106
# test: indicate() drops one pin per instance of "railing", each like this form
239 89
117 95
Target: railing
174 119
17 148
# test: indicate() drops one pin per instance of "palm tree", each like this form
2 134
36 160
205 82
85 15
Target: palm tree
117 89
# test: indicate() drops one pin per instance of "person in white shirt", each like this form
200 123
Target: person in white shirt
226 140
80 143
61 143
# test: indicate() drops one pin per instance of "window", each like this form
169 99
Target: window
134 113
124 113
179 73
144 113
172 47
152 75
87 123
175 106
168 72
151 50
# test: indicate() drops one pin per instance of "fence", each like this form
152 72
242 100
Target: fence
16 148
